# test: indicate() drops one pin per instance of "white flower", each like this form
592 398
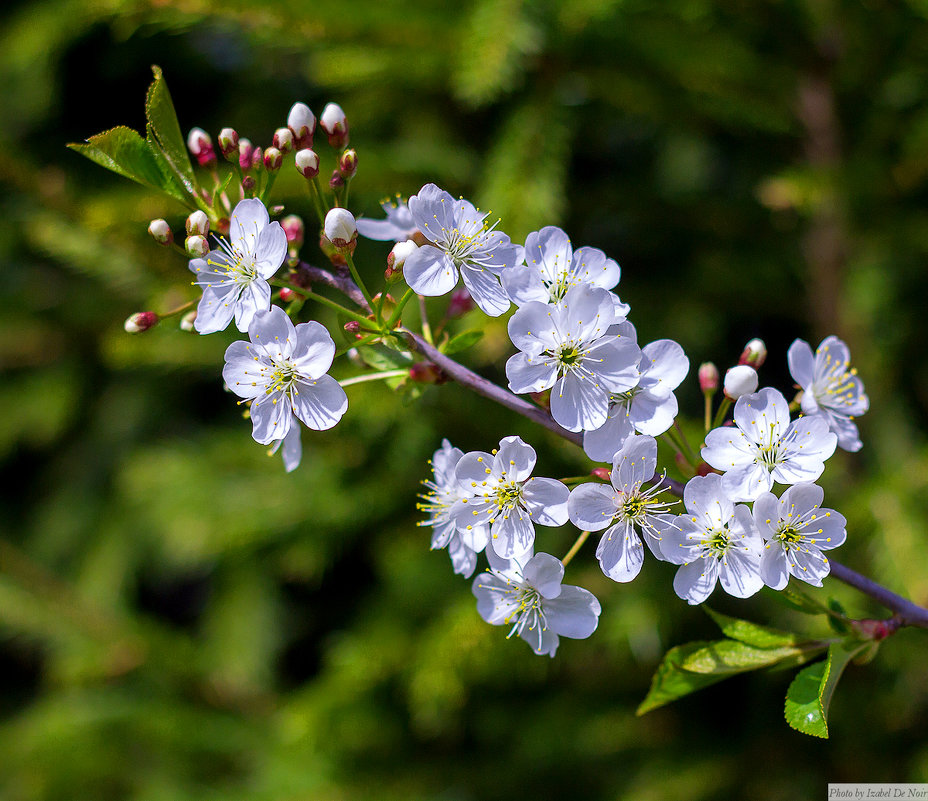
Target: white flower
340 227
648 408
797 529
552 267
501 504
235 276
765 447
830 386
399 225
534 603
566 348
714 541
463 243
628 510
740 380
282 370
292 450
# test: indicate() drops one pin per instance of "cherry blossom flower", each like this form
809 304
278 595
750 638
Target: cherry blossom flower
831 388
764 446
534 603
501 504
464 243
235 276
628 511
553 266
399 225
566 348
282 371
797 529
648 408
714 541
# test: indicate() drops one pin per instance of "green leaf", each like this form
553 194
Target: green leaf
383 358
752 633
124 152
798 601
671 681
462 341
164 130
810 693
729 656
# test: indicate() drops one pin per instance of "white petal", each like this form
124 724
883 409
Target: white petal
485 289
429 271
271 418
801 363
292 451
272 332
620 552
494 602
591 507
523 285
739 574
545 573
255 298
727 447
635 463
432 209
579 405
271 250
216 309
249 218
762 415
614 362
463 559
546 500
320 403
530 373
773 568
809 565
746 482
314 349
535 328
243 374
515 460
594 267
694 582
548 253
663 366
603 443
766 514
652 414
512 533
574 613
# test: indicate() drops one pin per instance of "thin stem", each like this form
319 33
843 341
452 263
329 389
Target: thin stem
357 279
575 547
394 318
360 379
707 414
310 295
686 444
424 315
909 613
180 309
724 406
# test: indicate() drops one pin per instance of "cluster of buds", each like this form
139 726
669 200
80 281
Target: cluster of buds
196 244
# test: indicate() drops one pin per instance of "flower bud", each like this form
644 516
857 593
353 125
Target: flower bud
201 146
245 151
754 353
196 246
352 326
602 473
248 183
187 321
335 124
294 229
427 373
461 303
283 140
257 158
332 253
302 124
340 227
287 294
141 321
337 180
397 258
348 164
740 380
307 163
198 223
273 159
228 143
161 232
708 378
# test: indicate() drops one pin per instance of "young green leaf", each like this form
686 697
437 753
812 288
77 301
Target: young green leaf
164 130
671 681
729 656
752 633
383 358
810 693
462 341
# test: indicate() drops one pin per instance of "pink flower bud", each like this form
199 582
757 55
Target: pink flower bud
754 353
307 162
708 378
257 158
461 303
337 180
141 321
161 232
340 227
283 140
335 124
201 146
273 159
294 229
740 380
302 124
228 143
248 183
352 326
198 223
602 473
287 294
196 246
245 151
348 164
427 373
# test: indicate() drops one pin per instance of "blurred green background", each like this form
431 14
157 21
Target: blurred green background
180 619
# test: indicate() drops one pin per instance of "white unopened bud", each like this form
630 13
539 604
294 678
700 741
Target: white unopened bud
283 140
198 223
228 143
740 380
273 158
196 246
340 227
161 232
307 162
302 123
187 321
754 353
201 146
141 321
335 124
401 251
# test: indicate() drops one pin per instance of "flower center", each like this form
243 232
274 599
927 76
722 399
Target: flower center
789 535
238 265
717 541
508 496
282 378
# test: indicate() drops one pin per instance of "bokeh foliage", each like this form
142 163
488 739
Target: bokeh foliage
182 620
